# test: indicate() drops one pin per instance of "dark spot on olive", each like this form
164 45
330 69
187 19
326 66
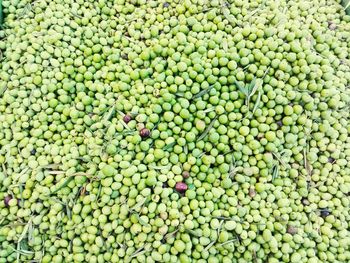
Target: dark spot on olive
292 230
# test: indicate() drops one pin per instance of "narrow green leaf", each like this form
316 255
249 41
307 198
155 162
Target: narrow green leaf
159 167
193 233
56 172
275 172
307 163
242 88
129 132
257 102
202 92
186 149
99 191
230 18
265 73
228 241
21 192
22 251
225 45
347 6
140 204
251 87
68 180
209 110
25 230
232 164
69 212
1 14
169 146
138 252
125 125
121 113
279 159
210 245
205 133
141 221
110 113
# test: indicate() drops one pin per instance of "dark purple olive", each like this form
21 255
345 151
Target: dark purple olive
325 212
166 4
185 174
331 160
127 118
33 152
144 132
181 187
7 200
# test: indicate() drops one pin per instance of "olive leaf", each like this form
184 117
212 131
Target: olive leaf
279 158
99 191
227 242
141 221
68 211
21 251
257 102
242 89
275 172
125 125
110 113
225 45
138 252
66 182
202 92
307 163
21 193
205 133
230 18
249 90
169 146
186 149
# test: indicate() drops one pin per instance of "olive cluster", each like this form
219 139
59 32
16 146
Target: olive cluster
175 131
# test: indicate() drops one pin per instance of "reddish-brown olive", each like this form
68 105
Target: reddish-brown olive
144 132
181 187
127 118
